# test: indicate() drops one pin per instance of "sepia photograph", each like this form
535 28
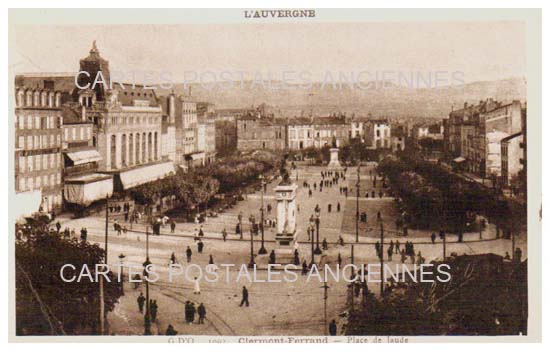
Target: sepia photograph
274 175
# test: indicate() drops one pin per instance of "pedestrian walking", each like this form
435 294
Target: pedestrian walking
211 260
304 267
197 287
201 310
325 244
338 207
154 309
339 260
172 226
224 234
188 253
433 237
200 246
173 258
141 302
332 329
244 297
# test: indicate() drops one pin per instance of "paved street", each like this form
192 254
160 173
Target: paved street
276 308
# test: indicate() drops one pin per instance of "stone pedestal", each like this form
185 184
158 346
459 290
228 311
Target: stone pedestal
334 162
286 223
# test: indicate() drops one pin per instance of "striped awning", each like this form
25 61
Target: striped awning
84 156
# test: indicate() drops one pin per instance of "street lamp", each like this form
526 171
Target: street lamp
252 220
262 251
121 258
311 231
240 217
317 222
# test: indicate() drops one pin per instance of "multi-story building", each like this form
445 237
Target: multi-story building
300 133
357 127
378 134
226 136
500 121
398 134
38 133
209 149
82 183
255 133
326 129
128 126
171 108
511 154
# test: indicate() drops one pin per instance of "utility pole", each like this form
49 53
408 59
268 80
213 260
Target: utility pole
101 282
147 318
101 307
252 220
325 287
513 243
381 258
357 204
444 246
312 244
262 251
352 283
317 223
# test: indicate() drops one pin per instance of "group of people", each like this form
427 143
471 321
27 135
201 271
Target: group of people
190 311
153 306
69 233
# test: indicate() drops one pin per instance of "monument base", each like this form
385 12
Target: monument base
334 162
286 245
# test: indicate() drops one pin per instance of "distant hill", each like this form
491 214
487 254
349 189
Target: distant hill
395 101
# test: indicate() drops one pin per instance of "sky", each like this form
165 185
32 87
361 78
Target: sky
481 50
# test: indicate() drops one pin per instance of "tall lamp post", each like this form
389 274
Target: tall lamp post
240 217
252 220
311 231
357 204
317 222
121 258
262 250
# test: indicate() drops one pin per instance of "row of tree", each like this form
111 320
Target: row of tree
435 198
196 188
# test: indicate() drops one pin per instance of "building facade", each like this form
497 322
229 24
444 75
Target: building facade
378 134
38 144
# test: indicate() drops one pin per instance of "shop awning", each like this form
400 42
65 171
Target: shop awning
145 174
197 156
26 204
459 159
84 156
85 189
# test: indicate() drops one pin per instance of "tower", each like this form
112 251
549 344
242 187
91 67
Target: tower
93 64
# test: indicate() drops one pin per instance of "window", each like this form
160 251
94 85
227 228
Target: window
46 180
58 177
30 163
38 183
21 142
30 185
38 162
73 133
22 164
22 184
